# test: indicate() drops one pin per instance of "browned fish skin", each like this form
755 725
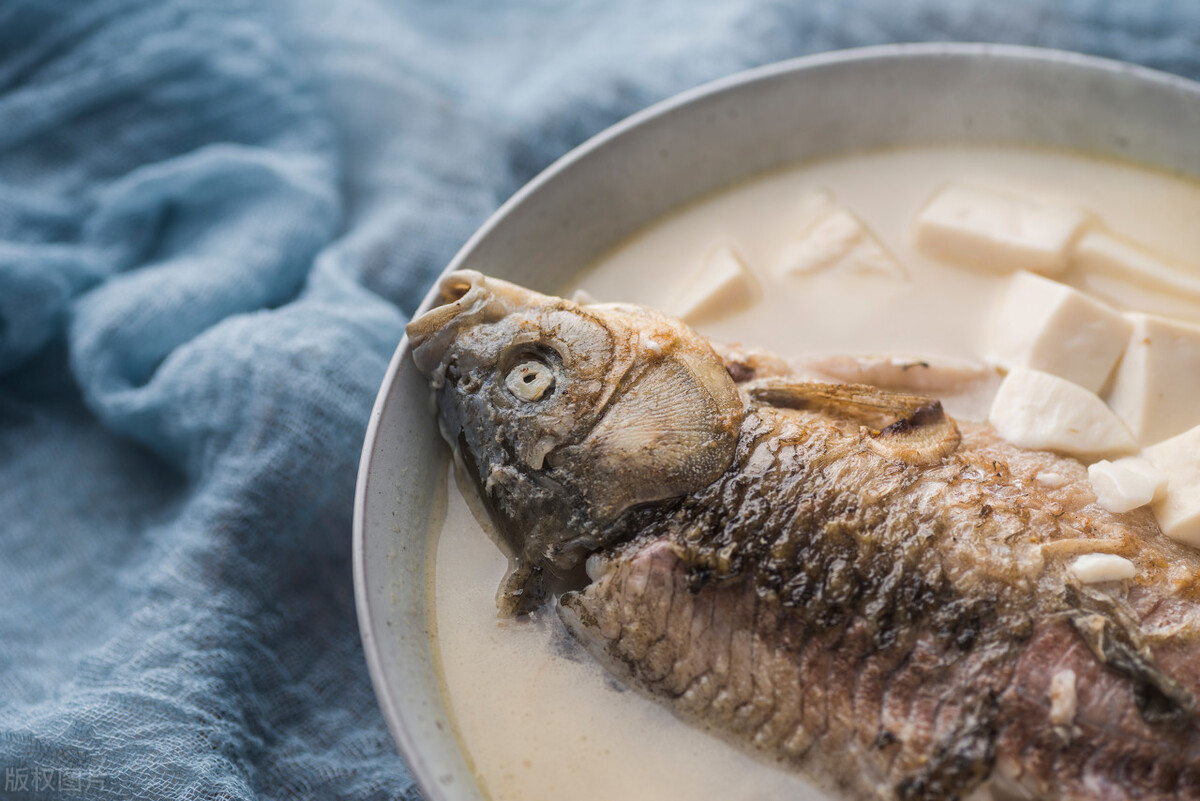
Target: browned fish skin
832 573
901 624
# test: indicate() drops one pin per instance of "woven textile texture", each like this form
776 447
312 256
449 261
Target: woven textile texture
215 218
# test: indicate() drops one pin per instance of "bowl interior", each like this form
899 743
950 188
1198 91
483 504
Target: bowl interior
658 160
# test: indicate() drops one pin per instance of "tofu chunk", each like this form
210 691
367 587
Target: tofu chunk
1048 326
1037 410
997 231
1101 251
1092 568
832 237
1178 511
1157 383
722 285
1126 483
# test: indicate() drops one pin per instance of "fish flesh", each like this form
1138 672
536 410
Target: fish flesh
841 577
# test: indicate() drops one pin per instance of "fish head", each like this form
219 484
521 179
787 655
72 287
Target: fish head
567 416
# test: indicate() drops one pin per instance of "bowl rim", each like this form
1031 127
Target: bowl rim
406 740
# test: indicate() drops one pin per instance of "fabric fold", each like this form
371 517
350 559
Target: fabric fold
215 218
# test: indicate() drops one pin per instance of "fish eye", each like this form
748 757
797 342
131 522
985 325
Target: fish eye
530 380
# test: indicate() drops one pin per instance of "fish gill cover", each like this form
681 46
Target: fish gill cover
214 220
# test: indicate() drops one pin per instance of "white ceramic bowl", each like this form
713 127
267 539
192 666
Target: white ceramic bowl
664 157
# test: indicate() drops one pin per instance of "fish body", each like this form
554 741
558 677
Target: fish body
840 577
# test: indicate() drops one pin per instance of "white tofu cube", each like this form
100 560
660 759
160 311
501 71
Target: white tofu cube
1126 483
722 285
1048 326
1178 512
997 231
1037 410
1100 251
1051 479
1157 383
832 237
1092 568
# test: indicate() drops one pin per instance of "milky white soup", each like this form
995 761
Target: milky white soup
844 256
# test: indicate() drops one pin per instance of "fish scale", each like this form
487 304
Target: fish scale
926 717
839 576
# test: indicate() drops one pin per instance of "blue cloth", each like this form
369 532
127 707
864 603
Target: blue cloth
215 218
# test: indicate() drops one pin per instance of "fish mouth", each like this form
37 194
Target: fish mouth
459 291
468 298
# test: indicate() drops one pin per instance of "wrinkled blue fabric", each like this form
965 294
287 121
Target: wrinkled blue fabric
215 218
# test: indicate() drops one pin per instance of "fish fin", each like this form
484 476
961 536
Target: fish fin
1115 639
911 428
522 589
936 375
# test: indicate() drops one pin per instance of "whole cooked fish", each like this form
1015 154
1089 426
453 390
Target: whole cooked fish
839 576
